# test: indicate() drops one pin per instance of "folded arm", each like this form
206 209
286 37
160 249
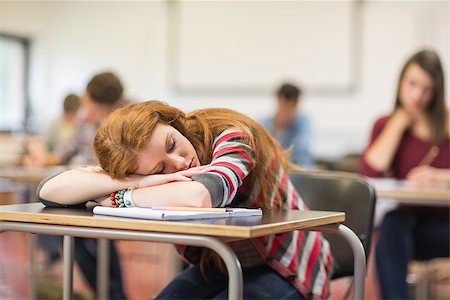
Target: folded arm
92 183
80 185
384 145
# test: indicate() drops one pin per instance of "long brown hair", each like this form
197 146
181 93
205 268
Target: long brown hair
127 130
436 111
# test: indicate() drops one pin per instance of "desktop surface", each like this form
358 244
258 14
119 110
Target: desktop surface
271 221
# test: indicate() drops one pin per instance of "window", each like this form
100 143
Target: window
14 104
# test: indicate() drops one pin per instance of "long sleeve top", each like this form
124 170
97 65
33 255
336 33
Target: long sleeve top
409 154
297 135
80 144
302 257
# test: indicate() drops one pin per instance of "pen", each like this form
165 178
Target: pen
194 209
430 156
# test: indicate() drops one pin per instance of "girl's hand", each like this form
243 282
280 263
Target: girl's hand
426 174
193 171
158 179
37 154
402 118
421 174
104 201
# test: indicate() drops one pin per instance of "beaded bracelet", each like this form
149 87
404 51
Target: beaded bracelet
119 199
112 197
122 198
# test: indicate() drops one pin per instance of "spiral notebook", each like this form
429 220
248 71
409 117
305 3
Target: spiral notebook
166 214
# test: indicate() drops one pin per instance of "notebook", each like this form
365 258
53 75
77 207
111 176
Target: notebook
161 214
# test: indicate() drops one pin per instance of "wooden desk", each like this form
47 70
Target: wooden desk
29 174
212 233
403 192
29 177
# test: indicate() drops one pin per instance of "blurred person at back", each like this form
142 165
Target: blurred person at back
412 143
58 132
290 126
104 93
63 128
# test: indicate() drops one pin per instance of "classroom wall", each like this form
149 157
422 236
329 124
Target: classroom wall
73 40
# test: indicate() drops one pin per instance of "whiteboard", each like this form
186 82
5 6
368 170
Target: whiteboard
250 45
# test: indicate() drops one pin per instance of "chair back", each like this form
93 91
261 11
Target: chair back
339 191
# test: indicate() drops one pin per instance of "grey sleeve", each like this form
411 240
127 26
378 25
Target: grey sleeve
214 186
51 203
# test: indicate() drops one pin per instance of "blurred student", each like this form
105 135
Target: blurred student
104 93
63 128
290 126
412 143
58 132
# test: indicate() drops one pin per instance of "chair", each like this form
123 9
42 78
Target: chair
339 191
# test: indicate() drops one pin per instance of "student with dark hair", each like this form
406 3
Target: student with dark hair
62 129
291 127
58 132
104 94
105 88
412 143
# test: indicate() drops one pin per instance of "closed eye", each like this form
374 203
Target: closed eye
172 146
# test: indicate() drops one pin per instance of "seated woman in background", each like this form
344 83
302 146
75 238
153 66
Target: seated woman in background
208 158
412 143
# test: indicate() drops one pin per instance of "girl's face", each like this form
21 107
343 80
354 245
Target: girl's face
416 89
167 151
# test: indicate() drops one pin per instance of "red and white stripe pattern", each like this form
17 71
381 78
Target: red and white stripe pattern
303 257
232 161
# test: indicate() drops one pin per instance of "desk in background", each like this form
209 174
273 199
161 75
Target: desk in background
28 177
212 233
392 192
29 174
403 192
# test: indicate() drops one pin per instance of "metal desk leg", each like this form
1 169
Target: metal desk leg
103 269
234 269
359 255
235 282
68 254
32 267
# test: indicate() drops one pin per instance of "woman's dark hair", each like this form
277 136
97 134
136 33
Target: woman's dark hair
436 112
